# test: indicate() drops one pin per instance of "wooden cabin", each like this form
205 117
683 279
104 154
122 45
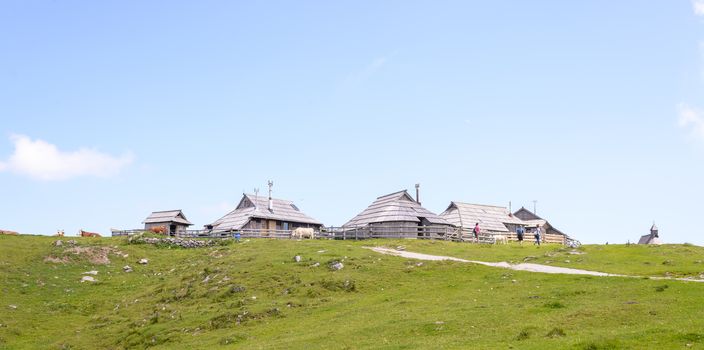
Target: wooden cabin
265 214
493 220
173 221
397 215
532 221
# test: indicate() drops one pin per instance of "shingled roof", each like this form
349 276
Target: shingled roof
395 207
252 206
489 217
167 216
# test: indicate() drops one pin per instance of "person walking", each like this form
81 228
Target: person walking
538 234
476 232
520 231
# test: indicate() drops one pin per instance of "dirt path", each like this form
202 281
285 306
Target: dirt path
519 267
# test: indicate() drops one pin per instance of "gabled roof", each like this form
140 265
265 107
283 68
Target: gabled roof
525 214
167 216
649 239
252 206
489 217
530 219
395 207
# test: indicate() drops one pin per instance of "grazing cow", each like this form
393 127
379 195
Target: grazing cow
158 229
303 232
88 234
500 239
59 233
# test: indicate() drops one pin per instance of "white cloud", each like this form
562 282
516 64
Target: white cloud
698 6
692 119
41 160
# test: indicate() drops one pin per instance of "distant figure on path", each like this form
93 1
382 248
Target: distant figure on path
237 236
537 235
476 231
520 231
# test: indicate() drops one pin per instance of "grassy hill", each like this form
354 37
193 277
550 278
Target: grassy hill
253 295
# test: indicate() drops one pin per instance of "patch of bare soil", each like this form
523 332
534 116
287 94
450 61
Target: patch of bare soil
95 255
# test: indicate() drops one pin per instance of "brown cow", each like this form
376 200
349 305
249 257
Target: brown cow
158 229
88 234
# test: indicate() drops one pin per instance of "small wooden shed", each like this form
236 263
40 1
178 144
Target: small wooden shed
398 215
173 221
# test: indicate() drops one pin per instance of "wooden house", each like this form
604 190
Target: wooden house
652 238
259 213
173 221
493 220
398 215
531 220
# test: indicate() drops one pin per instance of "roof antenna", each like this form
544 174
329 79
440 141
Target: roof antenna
271 184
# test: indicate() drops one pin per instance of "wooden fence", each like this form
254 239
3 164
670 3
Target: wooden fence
366 232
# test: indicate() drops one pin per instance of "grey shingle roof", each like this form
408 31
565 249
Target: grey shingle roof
397 206
167 216
251 206
489 217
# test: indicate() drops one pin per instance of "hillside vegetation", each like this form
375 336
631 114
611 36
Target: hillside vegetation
253 295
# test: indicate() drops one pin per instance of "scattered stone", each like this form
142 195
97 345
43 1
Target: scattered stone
318 264
419 264
336 266
125 256
127 268
58 243
88 279
171 241
514 281
206 279
13 307
92 272
567 261
254 297
143 261
439 322
401 247
575 252
321 251
71 242
297 258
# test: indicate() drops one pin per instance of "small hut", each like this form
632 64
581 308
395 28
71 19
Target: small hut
259 213
652 238
173 221
532 221
493 220
398 215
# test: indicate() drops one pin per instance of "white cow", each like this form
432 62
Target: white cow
303 232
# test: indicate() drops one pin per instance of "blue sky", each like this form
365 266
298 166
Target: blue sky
111 110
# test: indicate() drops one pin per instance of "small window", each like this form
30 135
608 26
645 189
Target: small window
285 226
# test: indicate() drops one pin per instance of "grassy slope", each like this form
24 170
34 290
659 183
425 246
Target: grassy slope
639 260
387 302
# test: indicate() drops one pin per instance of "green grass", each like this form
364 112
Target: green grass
257 297
669 260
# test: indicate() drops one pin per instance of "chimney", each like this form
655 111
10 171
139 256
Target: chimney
418 193
510 211
271 206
